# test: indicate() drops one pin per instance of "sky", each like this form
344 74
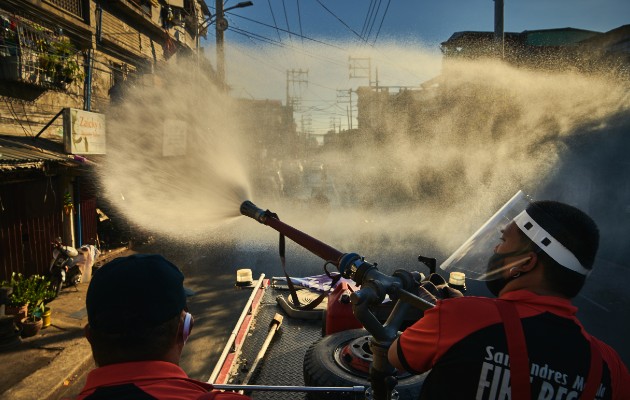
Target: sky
400 38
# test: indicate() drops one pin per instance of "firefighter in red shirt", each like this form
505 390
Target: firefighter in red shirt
528 343
137 328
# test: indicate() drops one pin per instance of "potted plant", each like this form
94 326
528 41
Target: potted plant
18 299
58 62
38 291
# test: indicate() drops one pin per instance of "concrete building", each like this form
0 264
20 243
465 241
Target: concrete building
71 54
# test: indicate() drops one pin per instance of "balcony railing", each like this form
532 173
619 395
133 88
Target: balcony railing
33 55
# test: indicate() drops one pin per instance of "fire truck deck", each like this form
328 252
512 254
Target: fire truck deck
282 362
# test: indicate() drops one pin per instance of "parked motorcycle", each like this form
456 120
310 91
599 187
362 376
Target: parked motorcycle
64 271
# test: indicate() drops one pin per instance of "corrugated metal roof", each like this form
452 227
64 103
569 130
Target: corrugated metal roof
17 153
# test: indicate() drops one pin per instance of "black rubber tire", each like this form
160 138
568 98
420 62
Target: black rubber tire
321 369
56 285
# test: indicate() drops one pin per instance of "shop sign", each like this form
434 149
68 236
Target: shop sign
83 132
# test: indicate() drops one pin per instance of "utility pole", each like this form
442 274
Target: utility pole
499 31
350 96
220 25
299 77
345 96
334 124
360 68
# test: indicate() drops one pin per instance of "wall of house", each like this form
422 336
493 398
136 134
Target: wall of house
132 41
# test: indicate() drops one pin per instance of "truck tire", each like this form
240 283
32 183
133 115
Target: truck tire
322 368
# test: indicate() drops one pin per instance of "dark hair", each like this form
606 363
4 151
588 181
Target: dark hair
136 345
574 230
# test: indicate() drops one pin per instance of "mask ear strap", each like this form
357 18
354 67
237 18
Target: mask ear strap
516 264
188 323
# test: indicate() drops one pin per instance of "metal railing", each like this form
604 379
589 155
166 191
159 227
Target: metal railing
36 56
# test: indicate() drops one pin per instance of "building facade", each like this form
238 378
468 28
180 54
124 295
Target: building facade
77 54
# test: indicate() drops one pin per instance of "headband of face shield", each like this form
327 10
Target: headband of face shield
472 257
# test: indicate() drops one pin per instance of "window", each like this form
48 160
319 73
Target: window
72 6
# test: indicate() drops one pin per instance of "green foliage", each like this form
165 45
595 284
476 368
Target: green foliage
38 292
58 60
20 288
32 291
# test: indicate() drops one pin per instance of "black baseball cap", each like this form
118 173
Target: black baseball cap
133 293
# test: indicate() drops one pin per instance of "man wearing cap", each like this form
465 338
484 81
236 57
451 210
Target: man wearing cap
137 328
528 343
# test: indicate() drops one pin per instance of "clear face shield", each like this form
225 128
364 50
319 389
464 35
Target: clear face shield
471 258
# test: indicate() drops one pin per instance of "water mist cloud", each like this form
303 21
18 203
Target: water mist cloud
435 165
432 170
184 195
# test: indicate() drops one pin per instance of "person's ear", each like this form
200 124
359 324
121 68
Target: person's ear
529 262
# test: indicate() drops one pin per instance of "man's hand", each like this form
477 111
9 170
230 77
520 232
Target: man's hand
438 288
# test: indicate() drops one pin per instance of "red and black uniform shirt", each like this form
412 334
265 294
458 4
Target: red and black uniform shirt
462 341
148 380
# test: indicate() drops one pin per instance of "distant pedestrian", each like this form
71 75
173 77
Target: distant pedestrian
138 325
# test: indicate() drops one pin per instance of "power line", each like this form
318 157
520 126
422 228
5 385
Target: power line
274 20
282 45
286 18
368 17
293 33
373 20
340 20
248 54
252 35
300 19
381 25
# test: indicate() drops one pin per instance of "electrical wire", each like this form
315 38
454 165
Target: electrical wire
340 20
274 20
331 104
293 33
249 54
27 121
285 46
15 116
381 25
378 7
368 17
286 18
300 19
253 35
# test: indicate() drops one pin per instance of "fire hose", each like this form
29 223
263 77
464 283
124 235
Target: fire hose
402 287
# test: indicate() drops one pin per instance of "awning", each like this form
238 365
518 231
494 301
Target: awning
24 152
